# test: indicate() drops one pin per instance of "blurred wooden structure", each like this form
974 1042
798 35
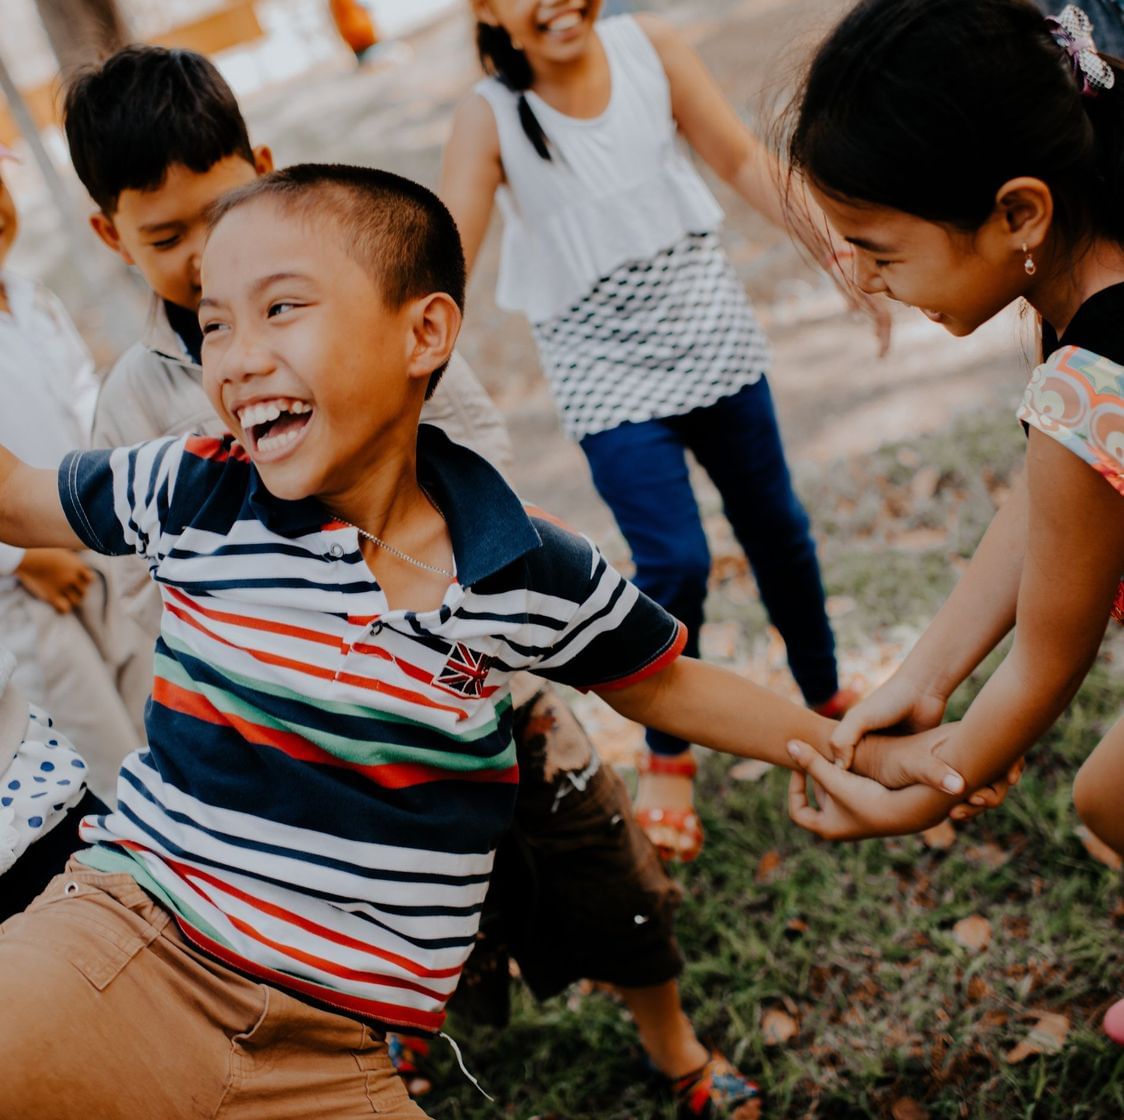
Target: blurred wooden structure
233 24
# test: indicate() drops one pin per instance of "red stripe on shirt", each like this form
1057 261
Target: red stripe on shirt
391 1013
389 775
654 666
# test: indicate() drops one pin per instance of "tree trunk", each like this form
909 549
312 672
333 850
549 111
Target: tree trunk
82 31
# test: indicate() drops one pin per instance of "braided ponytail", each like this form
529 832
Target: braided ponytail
500 58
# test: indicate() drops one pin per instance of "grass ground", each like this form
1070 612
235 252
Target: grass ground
854 949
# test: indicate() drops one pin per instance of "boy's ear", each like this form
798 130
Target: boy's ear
263 159
103 226
435 322
1025 209
482 10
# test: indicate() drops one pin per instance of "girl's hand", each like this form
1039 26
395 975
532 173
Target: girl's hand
908 760
850 807
900 704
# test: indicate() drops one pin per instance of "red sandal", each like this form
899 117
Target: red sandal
837 706
684 823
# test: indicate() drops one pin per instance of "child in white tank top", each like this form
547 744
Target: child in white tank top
610 248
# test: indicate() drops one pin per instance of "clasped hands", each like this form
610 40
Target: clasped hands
886 784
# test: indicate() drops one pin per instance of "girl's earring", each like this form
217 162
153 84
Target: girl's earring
1029 265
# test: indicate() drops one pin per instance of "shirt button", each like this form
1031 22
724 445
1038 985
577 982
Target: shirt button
336 550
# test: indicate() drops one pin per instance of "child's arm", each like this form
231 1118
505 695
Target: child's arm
31 513
716 708
1074 557
973 620
710 125
739 158
471 172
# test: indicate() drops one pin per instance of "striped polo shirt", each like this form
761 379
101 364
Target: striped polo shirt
326 779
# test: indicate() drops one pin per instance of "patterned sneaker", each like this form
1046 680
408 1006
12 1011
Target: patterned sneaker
408 1056
718 1091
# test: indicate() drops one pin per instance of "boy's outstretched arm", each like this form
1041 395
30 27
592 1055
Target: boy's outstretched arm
31 513
716 708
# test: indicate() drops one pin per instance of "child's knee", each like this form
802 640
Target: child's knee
1097 800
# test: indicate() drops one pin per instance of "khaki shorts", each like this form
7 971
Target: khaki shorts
109 1014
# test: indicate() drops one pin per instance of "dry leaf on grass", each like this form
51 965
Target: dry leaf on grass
924 484
906 1108
777 1027
941 836
768 866
1098 849
718 641
749 770
839 605
1047 1036
918 540
978 989
992 856
974 933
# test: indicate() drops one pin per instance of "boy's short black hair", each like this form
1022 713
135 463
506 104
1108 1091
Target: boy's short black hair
143 110
399 231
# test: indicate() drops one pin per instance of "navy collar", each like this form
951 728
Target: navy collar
488 525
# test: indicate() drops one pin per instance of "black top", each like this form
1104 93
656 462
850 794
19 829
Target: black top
1098 326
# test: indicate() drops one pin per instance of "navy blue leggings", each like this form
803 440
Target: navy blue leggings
640 470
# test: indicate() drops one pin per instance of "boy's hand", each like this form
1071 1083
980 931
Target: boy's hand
55 575
907 760
900 703
851 807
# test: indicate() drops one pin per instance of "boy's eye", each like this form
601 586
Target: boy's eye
882 264
280 307
211 328
166 243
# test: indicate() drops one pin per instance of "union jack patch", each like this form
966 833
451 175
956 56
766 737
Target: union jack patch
464 671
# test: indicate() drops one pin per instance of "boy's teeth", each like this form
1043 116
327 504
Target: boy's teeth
264 411
274 442
565 21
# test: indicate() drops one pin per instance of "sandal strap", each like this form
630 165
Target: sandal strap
685 822
680 765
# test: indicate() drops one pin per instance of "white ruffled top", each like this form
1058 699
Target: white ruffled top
620 187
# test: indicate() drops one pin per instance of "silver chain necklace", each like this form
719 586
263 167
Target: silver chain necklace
398 552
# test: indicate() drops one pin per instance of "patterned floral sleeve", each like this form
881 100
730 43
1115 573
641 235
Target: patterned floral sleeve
1077 398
